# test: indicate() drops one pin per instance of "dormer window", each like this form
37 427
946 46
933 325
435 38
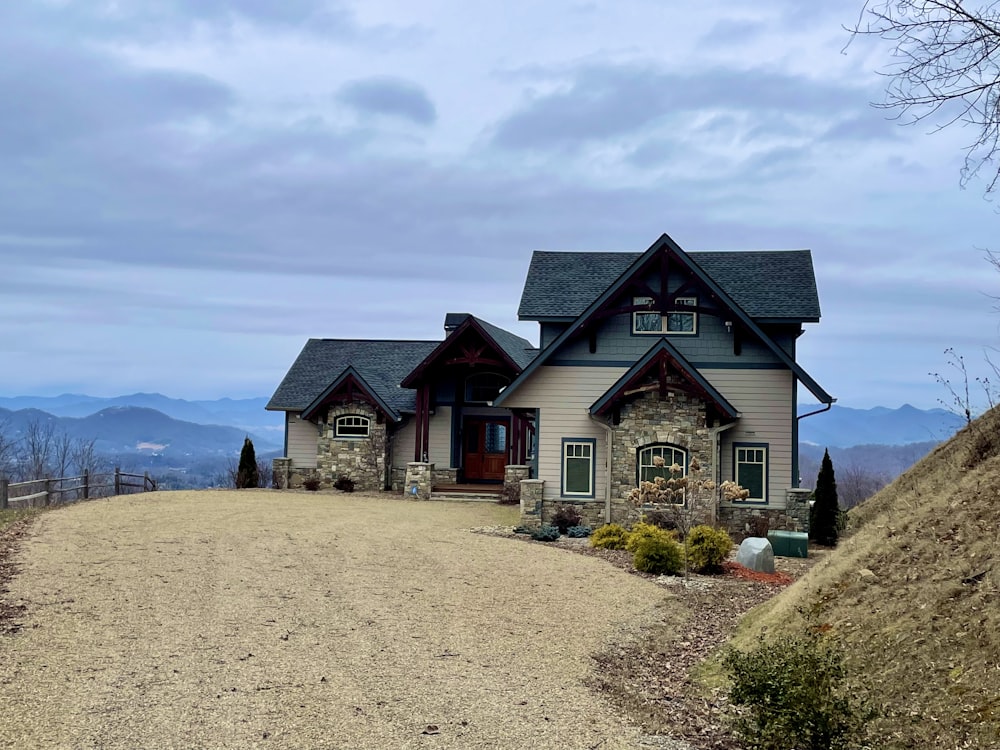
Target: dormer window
675 321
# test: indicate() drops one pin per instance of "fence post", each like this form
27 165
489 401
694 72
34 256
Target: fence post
118 481
48 492
86 484
145 480
3 491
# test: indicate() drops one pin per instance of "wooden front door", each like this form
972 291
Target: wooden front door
485 442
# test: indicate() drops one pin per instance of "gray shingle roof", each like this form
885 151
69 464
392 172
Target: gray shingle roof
520 350
767 284
383 364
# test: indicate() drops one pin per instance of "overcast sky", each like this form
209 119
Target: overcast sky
192 188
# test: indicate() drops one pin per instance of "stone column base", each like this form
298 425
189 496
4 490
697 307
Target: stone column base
419 477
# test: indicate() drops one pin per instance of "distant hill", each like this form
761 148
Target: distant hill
246 413
131 429
843 426
911 596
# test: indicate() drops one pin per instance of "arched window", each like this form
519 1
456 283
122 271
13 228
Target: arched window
483 387
352 426
671 454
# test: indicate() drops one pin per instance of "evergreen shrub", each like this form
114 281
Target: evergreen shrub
707 548
610 536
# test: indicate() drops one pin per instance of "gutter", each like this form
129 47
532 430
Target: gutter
818 411
607 467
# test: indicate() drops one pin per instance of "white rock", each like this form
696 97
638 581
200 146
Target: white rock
756 553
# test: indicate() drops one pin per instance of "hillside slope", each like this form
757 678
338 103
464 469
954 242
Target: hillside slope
912 595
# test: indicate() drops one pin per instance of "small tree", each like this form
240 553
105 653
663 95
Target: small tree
825 509
247 474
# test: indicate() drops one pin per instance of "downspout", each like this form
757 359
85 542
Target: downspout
717 448
607 468
818 411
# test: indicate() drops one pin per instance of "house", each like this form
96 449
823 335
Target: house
643 356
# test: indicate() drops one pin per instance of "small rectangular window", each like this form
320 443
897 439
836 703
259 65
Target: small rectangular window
673 322
751 471
578 468
352 427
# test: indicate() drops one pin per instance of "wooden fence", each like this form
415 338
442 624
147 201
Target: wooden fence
39 493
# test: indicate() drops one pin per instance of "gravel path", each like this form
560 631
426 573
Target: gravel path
300 620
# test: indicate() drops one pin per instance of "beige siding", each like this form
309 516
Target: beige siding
564 395
403 443
764 399
440 437
303 437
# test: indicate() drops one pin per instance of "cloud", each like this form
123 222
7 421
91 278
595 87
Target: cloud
391 97
612 100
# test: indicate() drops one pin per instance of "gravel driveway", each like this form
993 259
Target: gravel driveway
299 620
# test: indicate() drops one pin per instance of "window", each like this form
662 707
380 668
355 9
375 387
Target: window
672 322
352 426
483 387
670 454
578 467
750 469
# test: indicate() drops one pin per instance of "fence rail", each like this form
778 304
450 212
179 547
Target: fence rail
39 493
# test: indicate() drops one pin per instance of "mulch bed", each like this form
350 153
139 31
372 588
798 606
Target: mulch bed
648 678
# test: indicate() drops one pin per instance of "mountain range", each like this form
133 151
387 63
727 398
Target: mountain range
843 427
119 430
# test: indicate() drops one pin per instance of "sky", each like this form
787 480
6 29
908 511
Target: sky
192 188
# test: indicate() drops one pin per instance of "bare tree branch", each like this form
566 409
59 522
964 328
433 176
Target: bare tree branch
947 61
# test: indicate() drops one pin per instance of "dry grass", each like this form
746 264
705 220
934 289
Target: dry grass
240 619
913 597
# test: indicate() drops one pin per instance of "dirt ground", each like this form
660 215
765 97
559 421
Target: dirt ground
298 620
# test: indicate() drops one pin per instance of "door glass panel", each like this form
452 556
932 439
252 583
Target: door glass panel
496 438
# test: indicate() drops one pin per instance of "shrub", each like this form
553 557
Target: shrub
510 495
661 519
642 531
344 484
545 533
611 536
566 516
578 532
246 474
706 548
658 553
758 526
793 696
311 483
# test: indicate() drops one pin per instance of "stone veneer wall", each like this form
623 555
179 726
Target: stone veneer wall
679 420
362 459
535 511
419 476
290 477
793 517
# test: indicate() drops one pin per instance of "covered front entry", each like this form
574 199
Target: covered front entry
484 447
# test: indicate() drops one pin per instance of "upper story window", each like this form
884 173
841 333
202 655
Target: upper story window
352 426
673 322
483 387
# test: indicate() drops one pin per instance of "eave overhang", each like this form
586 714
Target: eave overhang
357 388
498 358
662 359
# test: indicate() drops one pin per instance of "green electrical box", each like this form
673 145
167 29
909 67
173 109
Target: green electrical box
789 543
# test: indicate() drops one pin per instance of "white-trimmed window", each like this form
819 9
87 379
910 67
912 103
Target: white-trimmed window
673 322
671 454
578 468
352 426
750 470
